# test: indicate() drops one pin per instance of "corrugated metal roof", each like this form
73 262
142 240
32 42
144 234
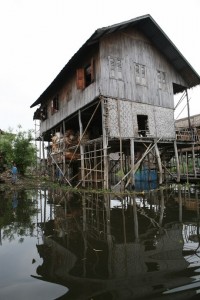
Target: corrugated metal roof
152 30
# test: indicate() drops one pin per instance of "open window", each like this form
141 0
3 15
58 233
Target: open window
55 105
85 76
143 128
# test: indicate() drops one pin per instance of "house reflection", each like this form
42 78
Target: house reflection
114 247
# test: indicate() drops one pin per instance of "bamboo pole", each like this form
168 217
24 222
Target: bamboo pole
85 131
60 170
43 157
81 149
159 162
64 167
132 150
186 165
194 161
134 169
105 145
120 139
177 161
90 170
188 109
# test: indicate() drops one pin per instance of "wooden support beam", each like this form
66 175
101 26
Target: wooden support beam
81 150
132 151
64 166
177 162
105 144
159 162
194 161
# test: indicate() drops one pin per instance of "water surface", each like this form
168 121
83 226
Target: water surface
57 244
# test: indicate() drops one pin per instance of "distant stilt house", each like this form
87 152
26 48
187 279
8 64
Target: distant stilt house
108 116
188 132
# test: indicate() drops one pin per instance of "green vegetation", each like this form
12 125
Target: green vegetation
17 148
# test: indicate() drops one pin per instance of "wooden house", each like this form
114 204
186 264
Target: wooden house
110 110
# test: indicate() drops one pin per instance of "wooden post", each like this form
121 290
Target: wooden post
63 152
81 150
180 204
159 162
132 161
162 207
193 161
177 162
43 158
120 141
40 154
135 218
105 144
186 164
188 109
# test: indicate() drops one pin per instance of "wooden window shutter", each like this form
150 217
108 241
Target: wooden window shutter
137 73
112 66
92 70
80 79
119 68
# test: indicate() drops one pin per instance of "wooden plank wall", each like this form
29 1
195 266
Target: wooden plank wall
132 47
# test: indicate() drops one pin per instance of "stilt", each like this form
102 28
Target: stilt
105 145
159 162
63 152
43 157
186 165
132 162
180 204
81 150
193 161
177 161
135 218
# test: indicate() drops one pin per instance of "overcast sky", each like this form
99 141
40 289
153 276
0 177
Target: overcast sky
38 37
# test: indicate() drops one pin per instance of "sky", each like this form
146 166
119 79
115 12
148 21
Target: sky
38 37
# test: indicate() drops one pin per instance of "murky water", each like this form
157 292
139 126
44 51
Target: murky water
56 244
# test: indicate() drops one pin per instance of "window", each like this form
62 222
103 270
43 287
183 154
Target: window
69 94
55 105
143 128
115 67
119 68
140 74
85 76
161 80
43 113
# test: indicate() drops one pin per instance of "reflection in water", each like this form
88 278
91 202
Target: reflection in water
111 246
14 202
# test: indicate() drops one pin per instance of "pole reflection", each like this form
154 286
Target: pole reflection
122 246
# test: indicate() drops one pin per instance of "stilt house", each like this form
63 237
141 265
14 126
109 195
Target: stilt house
110 110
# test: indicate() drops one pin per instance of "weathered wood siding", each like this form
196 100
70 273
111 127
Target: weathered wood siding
115 65
131 47
70 98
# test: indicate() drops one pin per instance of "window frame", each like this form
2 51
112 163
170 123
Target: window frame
162 80
83 77
140 71
55 104
115 67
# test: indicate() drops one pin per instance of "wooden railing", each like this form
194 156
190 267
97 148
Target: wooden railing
190 135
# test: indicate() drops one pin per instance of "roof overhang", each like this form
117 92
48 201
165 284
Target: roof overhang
147 25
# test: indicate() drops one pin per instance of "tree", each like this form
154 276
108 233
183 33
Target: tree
6 149
18 148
